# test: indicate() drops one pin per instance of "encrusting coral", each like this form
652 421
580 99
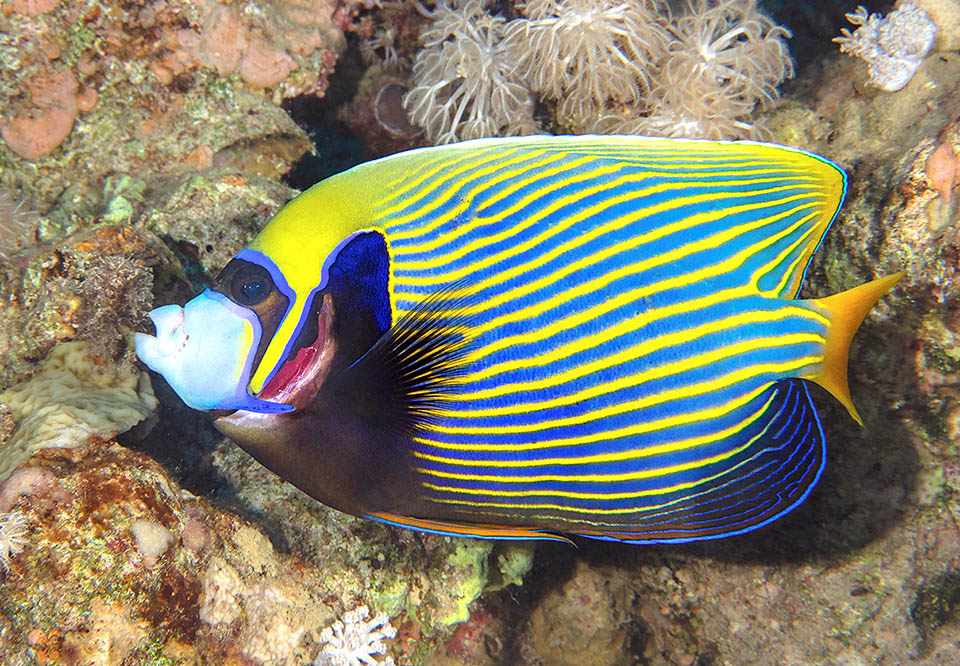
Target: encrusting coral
603 66
72 400
164 86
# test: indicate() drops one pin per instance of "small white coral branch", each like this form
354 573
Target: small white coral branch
893 47
353 640
13 530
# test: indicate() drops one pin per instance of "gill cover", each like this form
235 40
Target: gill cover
205 351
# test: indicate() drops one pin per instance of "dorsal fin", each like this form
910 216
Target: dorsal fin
488 209
403 378
846 311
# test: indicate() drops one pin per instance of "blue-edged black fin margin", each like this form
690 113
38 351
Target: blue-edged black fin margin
779 477
808 455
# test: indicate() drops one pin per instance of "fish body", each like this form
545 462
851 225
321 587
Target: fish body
517 338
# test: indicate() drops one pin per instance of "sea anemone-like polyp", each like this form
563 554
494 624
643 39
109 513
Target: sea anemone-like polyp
586 52
466 82
17 223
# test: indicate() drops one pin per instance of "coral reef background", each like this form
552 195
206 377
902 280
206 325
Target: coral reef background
145 141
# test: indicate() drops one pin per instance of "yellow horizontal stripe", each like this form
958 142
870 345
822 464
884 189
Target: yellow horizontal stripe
570 494
616 477
609 305
445 187
789 274
440 176
417 170
647 509
542 506
631 354
551 230
535 173
579 318
605 279
542 176
564 508
566 442
794 273
397 189
420 181
648 346
611 457
648 400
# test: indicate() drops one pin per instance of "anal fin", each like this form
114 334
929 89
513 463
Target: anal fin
474 530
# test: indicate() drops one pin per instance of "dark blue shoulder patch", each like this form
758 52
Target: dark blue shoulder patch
362 269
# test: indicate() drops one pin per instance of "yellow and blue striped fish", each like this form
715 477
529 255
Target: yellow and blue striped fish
518 338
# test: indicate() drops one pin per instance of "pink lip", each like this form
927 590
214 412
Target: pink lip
298 380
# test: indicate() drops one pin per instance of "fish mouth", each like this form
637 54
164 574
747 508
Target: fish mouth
170 339
205 351
299 379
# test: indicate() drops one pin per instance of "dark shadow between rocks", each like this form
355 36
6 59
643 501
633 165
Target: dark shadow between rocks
182 440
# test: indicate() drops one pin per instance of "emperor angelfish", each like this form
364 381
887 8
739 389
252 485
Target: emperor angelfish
520 338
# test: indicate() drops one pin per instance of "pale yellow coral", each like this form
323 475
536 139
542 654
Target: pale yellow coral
72 399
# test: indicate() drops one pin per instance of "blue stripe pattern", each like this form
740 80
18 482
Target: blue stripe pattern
635 343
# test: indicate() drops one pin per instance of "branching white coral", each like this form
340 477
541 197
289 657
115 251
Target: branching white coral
725 57
586 52
466 81
13 530
353 640
893 47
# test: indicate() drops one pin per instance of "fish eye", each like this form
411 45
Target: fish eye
251 285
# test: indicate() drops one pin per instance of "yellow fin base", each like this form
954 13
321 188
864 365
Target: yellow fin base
846 312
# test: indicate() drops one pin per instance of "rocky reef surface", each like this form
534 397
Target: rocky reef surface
166 544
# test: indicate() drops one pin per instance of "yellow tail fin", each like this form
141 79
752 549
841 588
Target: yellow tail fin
846 311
